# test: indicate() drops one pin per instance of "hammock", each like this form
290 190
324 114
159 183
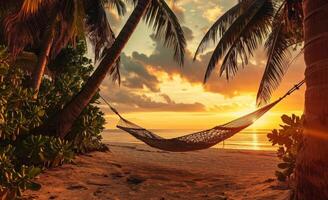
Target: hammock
199 140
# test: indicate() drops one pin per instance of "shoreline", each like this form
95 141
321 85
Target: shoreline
216 147
136 171
246 139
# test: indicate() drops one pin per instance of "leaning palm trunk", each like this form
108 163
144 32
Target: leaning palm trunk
312 164
44 55
61 123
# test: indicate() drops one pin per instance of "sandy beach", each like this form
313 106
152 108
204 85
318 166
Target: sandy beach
136 171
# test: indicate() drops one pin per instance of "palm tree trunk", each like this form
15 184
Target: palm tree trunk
47 42
312 164
61 123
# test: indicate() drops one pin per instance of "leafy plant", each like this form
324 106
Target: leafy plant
13 181
24 155
57 152
289 140
44 151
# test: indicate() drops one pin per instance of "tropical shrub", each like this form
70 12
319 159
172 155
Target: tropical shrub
24 155
44 151
14 180
289 141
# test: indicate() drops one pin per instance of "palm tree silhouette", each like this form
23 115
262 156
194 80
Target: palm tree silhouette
284 25
157 14
244 27
52 24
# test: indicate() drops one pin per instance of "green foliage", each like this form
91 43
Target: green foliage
289 140
14 180
26 154
85 135
69 78
44 151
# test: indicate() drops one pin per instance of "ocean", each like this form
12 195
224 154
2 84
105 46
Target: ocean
248 139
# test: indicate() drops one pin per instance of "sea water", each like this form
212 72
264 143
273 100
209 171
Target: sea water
249 139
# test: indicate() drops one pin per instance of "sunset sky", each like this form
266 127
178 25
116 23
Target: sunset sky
156 93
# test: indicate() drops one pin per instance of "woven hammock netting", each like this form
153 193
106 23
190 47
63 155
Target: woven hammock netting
199 140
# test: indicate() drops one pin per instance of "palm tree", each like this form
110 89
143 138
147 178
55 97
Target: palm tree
157 14
51 24
243 28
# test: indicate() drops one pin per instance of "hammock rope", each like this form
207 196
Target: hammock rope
199 140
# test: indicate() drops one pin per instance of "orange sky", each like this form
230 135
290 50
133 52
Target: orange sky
156 93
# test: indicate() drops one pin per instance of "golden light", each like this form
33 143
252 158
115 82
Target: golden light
218 109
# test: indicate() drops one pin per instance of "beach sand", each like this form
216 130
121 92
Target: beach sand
136 171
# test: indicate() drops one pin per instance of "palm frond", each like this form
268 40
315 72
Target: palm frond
166 26
242 38
66 30
6 9
98 28
115 71
30 7
22 31
118 4
278 46
219 27
276 65
7 6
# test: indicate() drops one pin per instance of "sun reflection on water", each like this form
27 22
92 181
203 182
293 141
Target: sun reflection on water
255 140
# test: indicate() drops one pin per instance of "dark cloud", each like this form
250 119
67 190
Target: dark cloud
127 101
135 75
246 81
194 72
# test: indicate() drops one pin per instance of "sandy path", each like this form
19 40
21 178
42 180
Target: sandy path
134 171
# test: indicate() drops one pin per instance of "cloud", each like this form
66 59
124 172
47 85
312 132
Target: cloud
137 81
126 100
141 72
212 14
135 75
189 35
193 72
179 12
246 81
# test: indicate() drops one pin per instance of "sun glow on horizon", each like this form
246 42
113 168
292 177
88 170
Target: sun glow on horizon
182 101
217 108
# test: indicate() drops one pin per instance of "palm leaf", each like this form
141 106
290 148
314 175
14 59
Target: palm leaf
32 6
276 65
278 46
115 71
219 27
67 27
118 4
8 6
167 27
99 30
97 26
248 40
242 38
22 31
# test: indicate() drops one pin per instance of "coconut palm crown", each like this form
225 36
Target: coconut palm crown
158 15
244 27
28 20
25 22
